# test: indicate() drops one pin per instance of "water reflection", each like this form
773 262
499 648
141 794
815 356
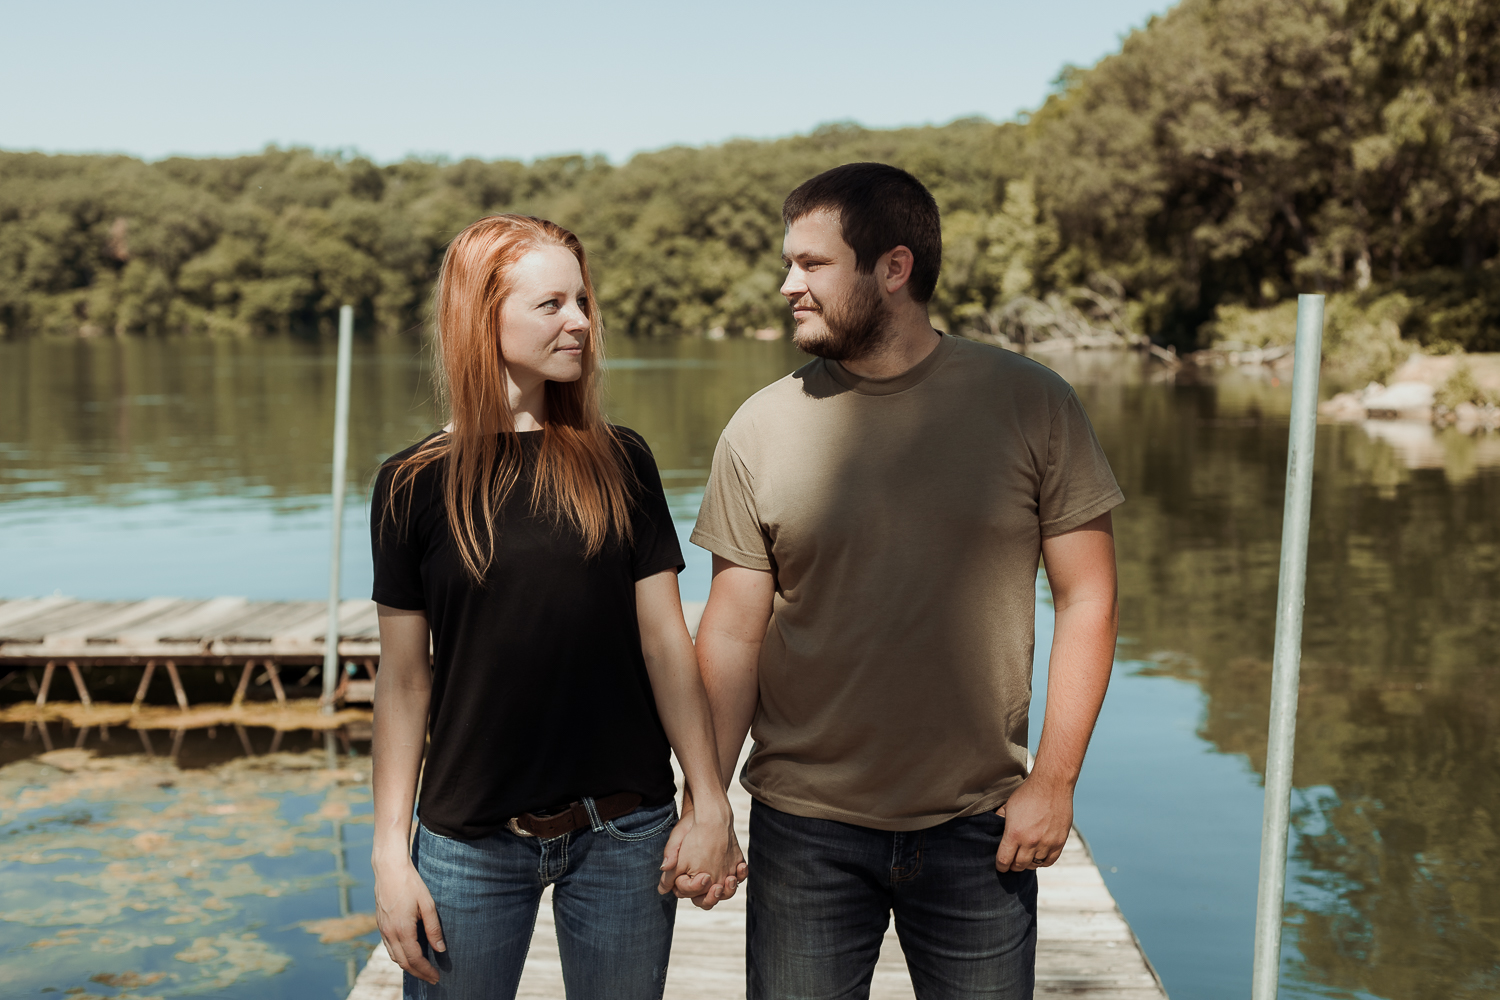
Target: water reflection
1398 845
1397 848
192 877
133 421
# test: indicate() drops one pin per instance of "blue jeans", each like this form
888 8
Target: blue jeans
613 930
821 894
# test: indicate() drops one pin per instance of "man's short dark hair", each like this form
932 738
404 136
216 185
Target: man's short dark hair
880 207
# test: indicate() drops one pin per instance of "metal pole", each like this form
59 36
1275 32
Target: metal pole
340 463
1288 659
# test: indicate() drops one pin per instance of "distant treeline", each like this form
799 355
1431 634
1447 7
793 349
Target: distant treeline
1232 154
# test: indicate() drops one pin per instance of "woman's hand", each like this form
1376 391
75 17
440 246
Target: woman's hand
403 688
702 860
402 899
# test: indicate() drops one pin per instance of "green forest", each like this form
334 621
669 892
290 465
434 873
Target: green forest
1232 154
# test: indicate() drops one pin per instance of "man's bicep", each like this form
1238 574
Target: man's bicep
1081 563
729 521
739 600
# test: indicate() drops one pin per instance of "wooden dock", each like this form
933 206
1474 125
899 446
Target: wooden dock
1084 948
53 632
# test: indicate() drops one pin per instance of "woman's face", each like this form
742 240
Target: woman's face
544 322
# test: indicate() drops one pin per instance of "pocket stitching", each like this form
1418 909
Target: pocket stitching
618 834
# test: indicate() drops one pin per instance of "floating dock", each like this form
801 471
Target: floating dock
59 632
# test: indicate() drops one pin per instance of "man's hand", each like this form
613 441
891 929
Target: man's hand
1038 816
1081 572
401 899
700 887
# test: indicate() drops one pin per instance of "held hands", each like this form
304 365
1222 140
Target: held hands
702 860
1038 817
401 899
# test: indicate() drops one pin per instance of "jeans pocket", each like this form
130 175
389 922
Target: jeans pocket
427 831
643 823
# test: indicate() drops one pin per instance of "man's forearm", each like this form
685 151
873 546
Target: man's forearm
1083 650
729 640
729 668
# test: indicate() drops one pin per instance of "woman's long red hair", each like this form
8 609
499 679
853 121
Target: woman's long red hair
583 477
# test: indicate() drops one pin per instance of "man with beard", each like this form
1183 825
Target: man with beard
876 520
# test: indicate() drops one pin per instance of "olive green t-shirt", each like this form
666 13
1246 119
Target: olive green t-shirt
902 519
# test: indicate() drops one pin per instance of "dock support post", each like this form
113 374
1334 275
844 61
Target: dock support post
83 689
239 692
47 671
140 692
275 677
340 461
182 701
1287 663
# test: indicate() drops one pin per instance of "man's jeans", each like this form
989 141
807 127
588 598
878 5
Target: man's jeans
614 931
821 894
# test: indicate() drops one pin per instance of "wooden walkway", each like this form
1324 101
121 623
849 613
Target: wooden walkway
1084 948
52 632
216 630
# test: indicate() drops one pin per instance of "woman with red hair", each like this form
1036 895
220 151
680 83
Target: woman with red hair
532 637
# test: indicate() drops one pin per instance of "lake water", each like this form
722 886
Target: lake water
200 468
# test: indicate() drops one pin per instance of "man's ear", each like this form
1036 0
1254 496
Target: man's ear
894 269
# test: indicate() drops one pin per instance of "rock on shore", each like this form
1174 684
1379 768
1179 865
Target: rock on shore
1424 388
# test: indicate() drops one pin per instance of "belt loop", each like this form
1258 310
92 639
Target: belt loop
595 823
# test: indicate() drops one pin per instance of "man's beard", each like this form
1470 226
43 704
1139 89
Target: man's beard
854 326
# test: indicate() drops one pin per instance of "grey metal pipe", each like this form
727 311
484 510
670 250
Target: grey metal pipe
340 464
1287 663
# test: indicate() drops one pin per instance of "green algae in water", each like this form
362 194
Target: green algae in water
126 876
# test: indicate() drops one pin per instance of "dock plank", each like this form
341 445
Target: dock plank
148 619
28 607
190 624
35 630
104 626
268 618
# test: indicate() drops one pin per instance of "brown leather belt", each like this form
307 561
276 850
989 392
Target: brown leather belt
574 816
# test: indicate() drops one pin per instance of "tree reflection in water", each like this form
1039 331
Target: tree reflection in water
1398 742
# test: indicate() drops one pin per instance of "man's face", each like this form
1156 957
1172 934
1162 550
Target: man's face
840 313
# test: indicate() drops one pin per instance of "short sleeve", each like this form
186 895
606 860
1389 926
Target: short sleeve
728 524
396 546
1077 484
655 547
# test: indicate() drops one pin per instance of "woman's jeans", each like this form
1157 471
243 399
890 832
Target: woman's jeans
822 893
614 931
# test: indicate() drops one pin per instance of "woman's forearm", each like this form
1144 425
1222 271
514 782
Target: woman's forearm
403 690
683 707
681 701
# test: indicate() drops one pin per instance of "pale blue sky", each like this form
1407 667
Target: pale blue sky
154 77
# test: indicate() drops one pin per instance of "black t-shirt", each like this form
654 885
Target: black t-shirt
539 689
